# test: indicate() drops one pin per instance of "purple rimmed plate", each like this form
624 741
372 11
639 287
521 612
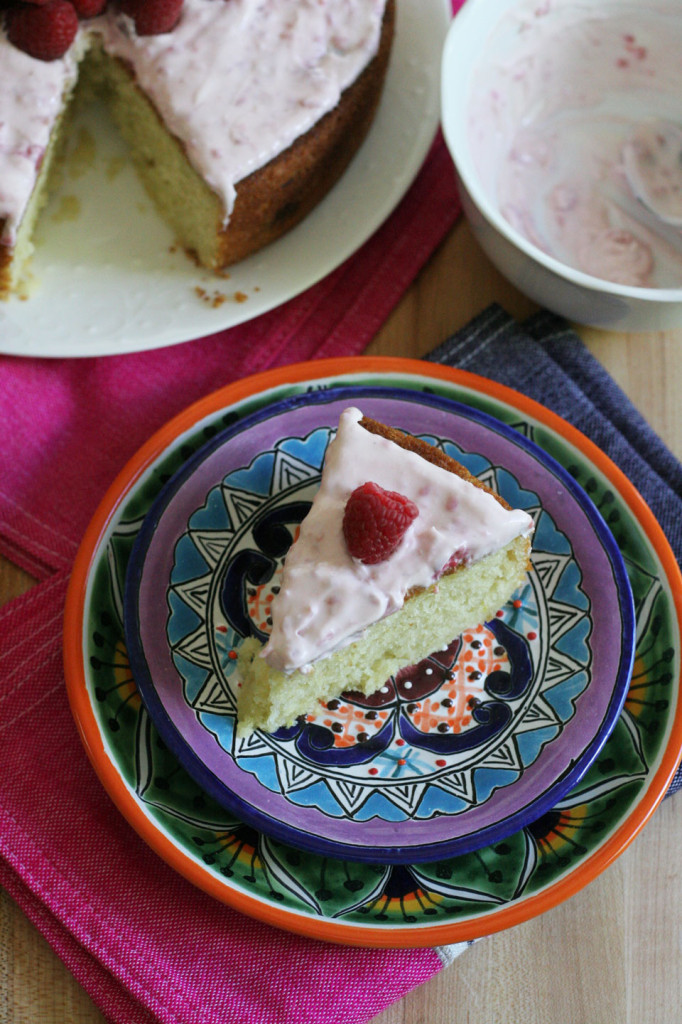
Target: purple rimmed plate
462 750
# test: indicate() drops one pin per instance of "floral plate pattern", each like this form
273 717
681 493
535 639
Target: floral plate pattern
348 901
451 754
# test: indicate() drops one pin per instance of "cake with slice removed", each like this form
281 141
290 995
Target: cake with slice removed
239 116
401 551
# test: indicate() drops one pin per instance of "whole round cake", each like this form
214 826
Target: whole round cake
240 114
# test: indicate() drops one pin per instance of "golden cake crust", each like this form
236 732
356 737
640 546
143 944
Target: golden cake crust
429 452
5 266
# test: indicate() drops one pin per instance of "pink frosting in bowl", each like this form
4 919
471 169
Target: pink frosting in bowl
540 116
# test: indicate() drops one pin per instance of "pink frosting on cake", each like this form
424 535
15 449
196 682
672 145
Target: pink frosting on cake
31 93
237 82
327 598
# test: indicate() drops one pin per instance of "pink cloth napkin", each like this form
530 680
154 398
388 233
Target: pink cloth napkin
144 943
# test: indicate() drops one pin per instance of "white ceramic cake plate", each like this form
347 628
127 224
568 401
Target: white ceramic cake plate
453 899
107 277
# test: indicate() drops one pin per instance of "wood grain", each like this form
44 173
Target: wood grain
610 955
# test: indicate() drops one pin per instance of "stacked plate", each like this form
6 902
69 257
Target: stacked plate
556 753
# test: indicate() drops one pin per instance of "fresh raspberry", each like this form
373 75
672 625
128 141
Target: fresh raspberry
152 17
89 8
44 32
375 521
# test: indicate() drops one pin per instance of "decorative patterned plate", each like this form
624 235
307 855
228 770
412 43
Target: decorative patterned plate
346 901
109 278
451 755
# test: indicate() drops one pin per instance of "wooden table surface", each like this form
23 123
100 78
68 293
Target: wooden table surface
610 955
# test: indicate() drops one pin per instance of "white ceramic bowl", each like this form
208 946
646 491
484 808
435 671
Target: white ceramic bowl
486 31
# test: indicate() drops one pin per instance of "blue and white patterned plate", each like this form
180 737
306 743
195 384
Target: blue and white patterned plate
451 755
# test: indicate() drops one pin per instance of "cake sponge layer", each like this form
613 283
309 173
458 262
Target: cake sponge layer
428 621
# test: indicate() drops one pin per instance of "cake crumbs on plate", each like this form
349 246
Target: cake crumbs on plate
216 299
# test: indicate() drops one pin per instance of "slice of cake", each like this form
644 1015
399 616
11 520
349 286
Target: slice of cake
240 117
401 551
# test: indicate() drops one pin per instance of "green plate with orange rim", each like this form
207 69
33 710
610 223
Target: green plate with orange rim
351 902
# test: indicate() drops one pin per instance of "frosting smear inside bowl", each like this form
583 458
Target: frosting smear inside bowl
576 132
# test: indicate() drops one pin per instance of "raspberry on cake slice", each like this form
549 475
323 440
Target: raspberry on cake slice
375 521
401 551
